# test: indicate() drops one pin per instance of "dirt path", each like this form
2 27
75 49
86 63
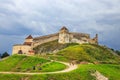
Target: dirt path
99 76
70 68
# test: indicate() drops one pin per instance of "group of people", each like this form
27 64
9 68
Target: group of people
72 63
38 66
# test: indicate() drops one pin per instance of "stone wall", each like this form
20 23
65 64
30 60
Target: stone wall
79 38
28 40
40 40
25 49
64 38
94 40
80 35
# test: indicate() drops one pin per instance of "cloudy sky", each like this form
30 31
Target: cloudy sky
19 18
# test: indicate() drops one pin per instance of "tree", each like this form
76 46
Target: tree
0 55
112 49
118 52
5 54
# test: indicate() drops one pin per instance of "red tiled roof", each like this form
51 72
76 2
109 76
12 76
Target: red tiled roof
29 37
64 28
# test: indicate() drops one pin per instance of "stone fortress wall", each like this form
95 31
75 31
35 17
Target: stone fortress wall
21 49
63 36
44 39
79 38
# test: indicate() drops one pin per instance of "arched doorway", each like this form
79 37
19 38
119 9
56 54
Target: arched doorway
20 52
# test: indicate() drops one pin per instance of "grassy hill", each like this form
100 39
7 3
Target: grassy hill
111 71
51 47
109 62
22 63
90 53
74 51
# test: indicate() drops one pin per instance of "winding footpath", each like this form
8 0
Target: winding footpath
68 69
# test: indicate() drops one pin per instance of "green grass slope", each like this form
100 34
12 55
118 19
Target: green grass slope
84 52
22 63
111 71
53 66
90 53
10 62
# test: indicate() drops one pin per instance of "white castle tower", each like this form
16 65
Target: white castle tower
63 35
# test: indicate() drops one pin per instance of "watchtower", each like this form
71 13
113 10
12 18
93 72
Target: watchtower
63 35
28 40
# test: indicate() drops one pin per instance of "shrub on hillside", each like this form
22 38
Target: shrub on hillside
5 54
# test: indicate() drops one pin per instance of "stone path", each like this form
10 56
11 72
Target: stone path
70 68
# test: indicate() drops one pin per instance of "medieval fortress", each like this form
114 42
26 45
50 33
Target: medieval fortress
63 36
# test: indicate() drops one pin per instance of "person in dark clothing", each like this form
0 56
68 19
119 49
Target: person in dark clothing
33 67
